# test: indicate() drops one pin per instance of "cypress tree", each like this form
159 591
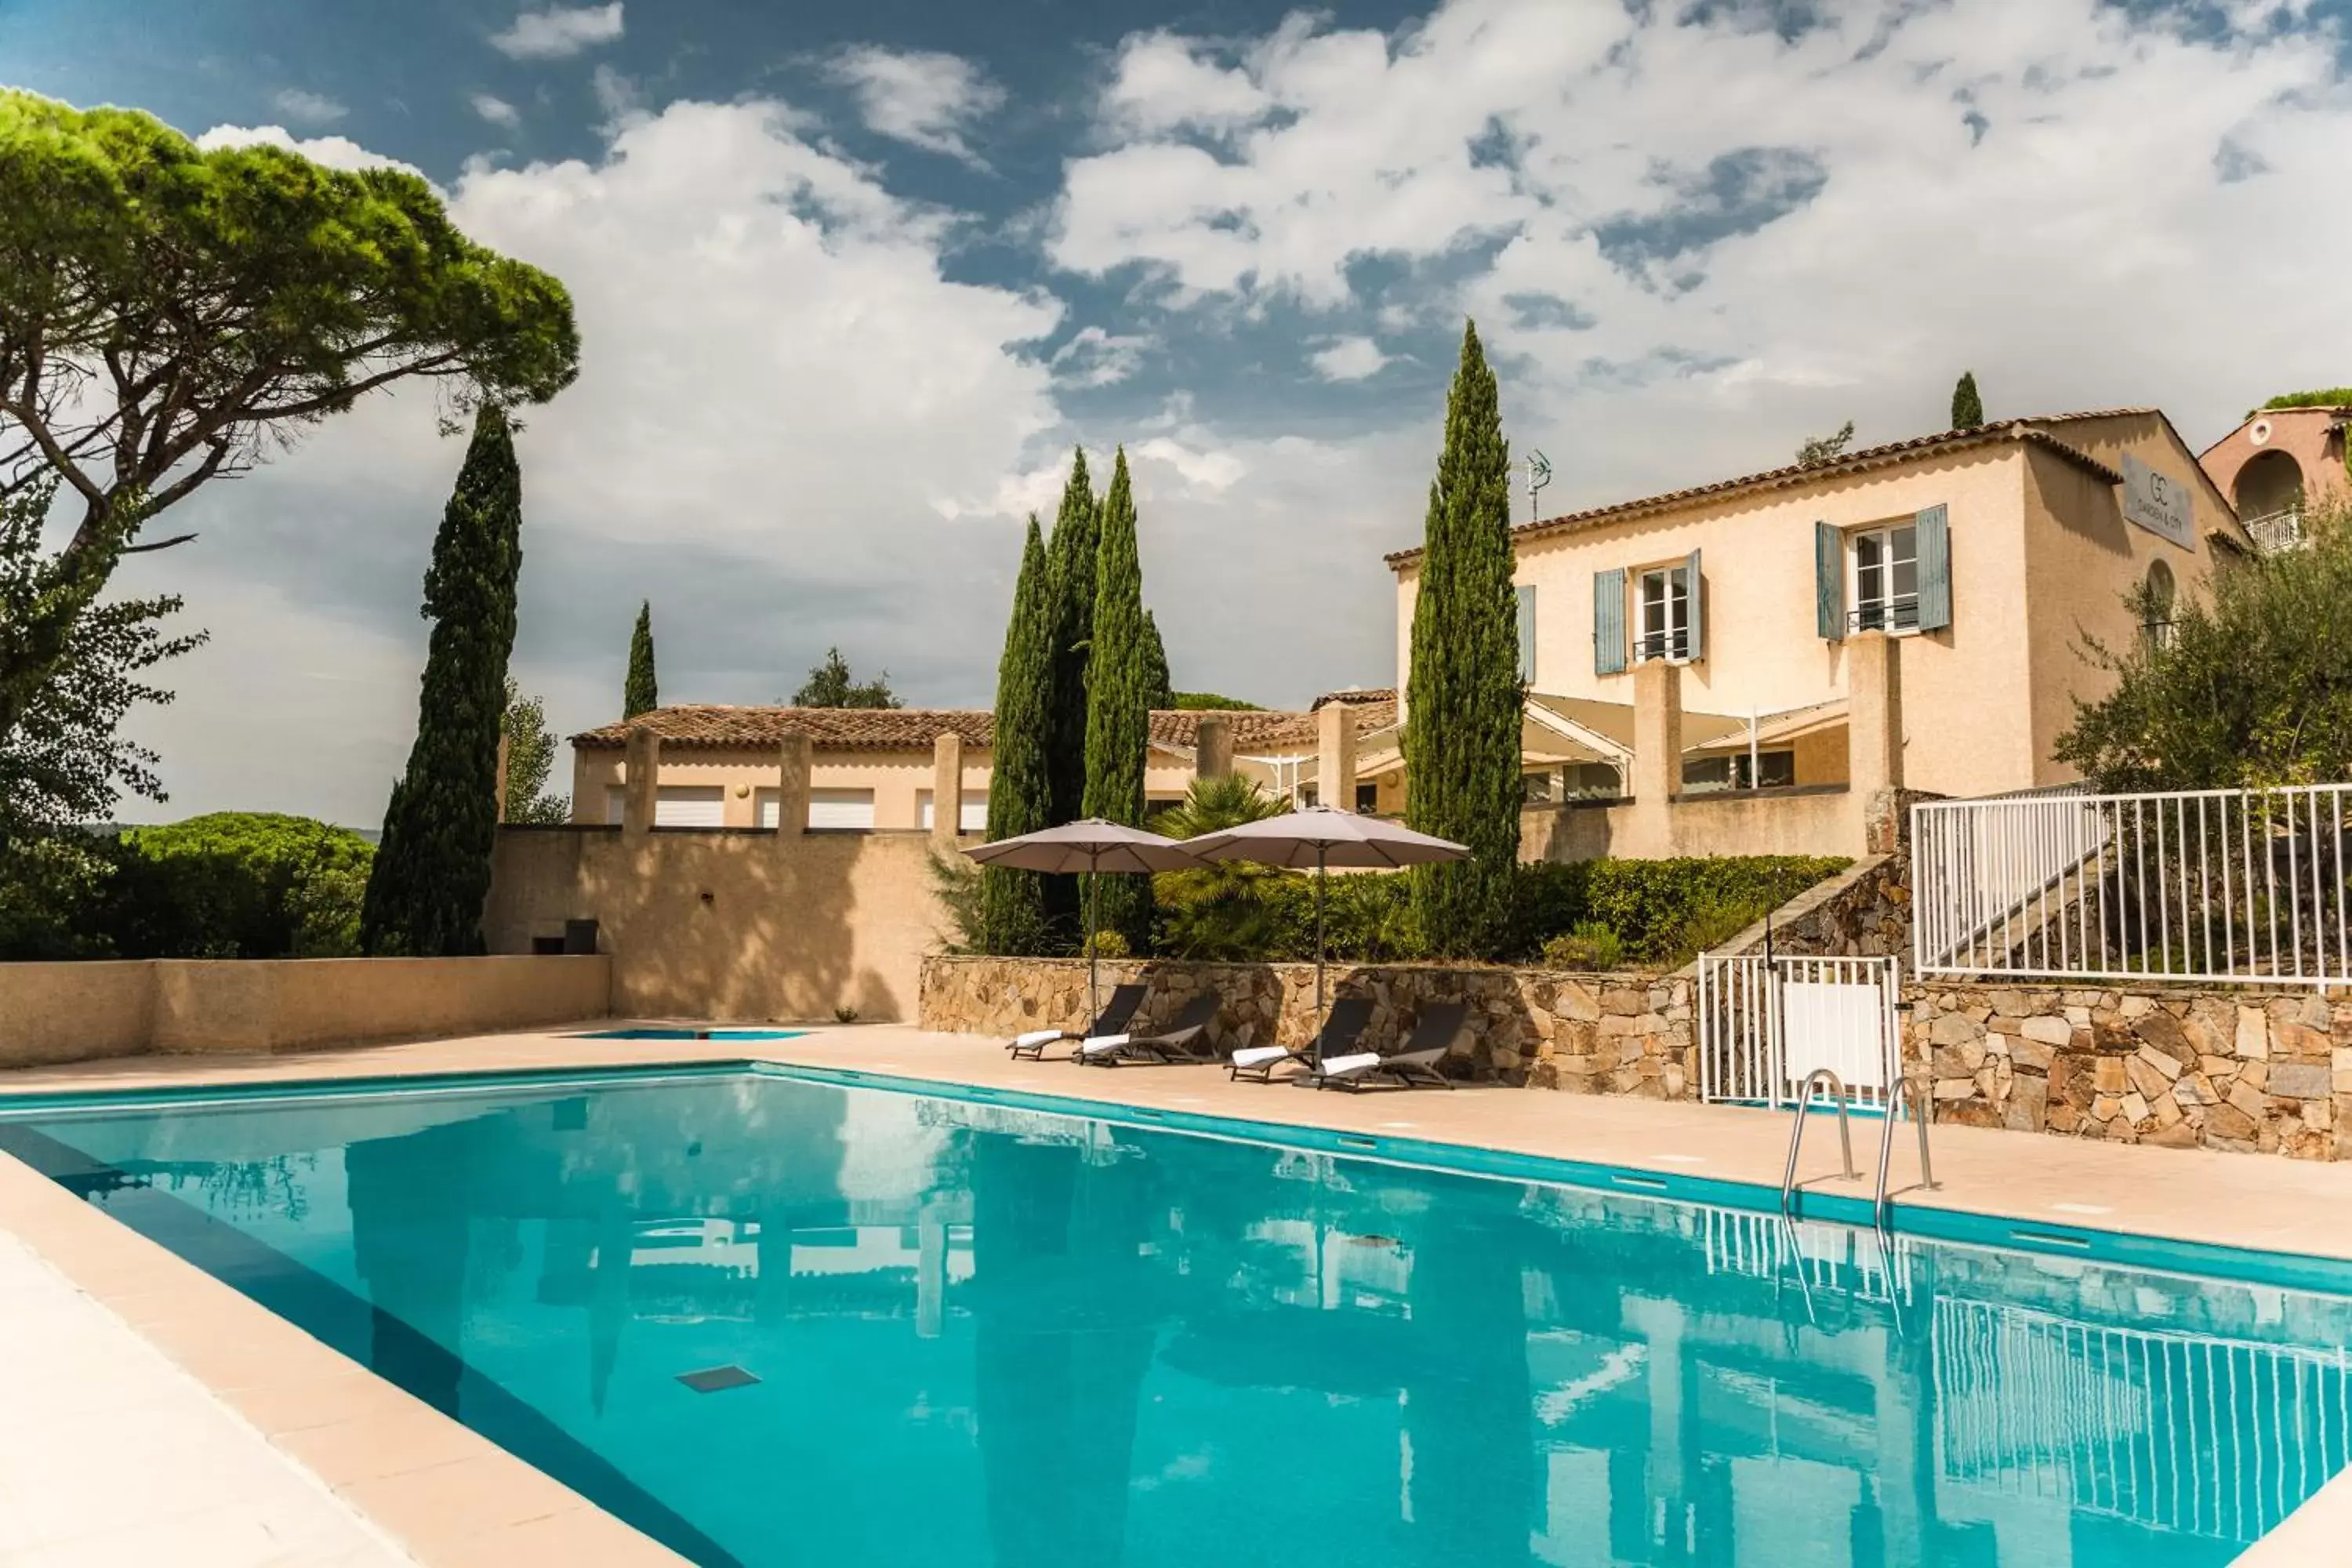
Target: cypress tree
1155 654
1071 564
1968 409
1119 707
1070 568
1020 794
432 870
640 693
1463 697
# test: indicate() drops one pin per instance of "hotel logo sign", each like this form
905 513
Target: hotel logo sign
2158 503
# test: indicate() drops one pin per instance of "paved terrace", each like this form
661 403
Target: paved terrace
331 1465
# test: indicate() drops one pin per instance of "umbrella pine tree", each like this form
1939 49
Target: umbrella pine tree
1020 794
1119 692
1462 694
432 870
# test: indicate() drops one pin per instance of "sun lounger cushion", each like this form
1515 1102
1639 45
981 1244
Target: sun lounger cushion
1251 1055
1039 1037
1348 1067
1102 1043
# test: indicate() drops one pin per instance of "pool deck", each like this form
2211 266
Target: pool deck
307 1441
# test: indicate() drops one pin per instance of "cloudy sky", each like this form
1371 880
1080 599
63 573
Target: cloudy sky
853 279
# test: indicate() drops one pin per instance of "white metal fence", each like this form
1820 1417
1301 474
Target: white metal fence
2208 1436
1764 1027
2207 885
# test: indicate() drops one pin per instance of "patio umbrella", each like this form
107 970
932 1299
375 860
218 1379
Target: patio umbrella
1093 846
1323 836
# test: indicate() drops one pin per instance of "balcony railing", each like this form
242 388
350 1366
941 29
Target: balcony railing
2274 532
1662 645
1886 616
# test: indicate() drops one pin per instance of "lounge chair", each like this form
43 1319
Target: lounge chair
1342 1028
1124 1001
1440 1025
1185 1041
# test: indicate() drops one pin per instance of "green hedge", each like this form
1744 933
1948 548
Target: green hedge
1660 912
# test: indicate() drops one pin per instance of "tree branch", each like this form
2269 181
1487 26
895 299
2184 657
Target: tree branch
158 544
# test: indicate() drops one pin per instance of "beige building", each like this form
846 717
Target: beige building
879 769
2277 462
1987 554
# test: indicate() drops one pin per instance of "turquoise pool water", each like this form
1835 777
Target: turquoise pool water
983 1333
692 1034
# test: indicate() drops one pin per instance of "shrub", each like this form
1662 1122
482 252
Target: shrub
1590 945
1224 909
238 885
1662 908
1104 943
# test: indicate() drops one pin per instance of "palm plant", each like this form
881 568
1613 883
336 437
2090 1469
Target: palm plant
1220 910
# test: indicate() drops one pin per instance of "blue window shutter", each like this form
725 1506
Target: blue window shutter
1609 622
1828 582
1697 643
1527 633
1934 537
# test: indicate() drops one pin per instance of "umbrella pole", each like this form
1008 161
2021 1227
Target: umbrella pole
1094 956
1319 853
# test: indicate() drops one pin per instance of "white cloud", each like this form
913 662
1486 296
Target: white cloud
334 151
1349 359
923 99
780 394
1094 357
308 108
1708 227
616 95
559 31
496 110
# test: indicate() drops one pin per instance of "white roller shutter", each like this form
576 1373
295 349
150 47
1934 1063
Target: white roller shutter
972 818
769 806
690 805
850 809
617 804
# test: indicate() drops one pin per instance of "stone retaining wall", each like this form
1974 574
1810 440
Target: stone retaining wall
1591 1034
2171 1065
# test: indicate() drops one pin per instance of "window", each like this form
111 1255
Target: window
1368 799
1539 789
1593 780
841 810
973 817
1886 579
1663 611
675 806
1706 776
2155 605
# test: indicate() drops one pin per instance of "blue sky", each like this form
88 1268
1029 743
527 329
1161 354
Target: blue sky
853 279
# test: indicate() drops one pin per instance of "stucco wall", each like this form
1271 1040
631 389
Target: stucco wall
898 778
1762 643
729 924
1731 822
2301 433
2082 557
77 1012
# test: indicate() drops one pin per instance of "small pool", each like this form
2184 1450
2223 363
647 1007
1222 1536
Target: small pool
692 1034
946 1328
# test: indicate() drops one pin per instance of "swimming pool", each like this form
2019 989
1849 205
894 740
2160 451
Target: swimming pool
982 1332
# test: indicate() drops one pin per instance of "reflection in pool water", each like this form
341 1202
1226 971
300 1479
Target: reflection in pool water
986 1335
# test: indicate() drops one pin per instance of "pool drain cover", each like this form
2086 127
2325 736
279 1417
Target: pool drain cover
711 1379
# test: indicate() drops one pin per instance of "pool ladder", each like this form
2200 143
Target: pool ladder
1881 1205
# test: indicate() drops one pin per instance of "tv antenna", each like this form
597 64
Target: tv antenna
1539 475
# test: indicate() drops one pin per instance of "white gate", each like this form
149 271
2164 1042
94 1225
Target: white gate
1764 1027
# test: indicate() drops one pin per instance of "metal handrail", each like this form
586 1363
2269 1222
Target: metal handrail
1796 1132
1916 1095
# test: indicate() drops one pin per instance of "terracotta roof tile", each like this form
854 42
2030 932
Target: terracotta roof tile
2025 430
837 729
913 729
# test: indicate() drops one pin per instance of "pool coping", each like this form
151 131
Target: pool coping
477 1504
447 1496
